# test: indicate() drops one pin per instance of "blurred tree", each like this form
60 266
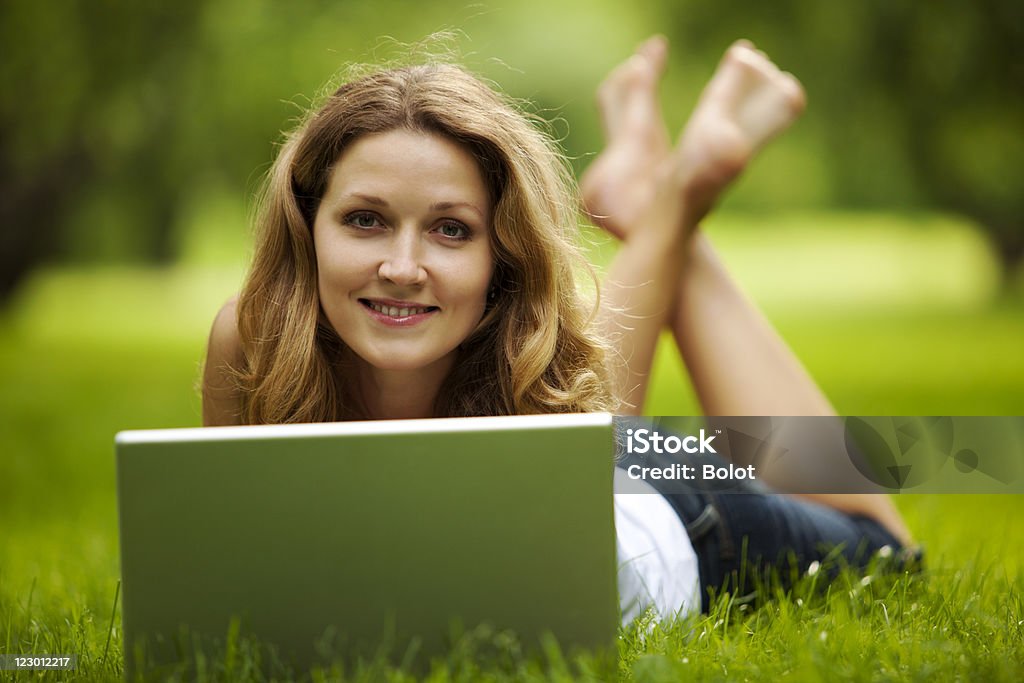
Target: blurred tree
113 114
919 104
84 123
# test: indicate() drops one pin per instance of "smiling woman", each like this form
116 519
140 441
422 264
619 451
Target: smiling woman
415 258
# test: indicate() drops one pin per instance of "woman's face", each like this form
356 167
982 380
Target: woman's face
403 249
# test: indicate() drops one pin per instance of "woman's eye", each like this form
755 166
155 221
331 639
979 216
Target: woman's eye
362 220
455 231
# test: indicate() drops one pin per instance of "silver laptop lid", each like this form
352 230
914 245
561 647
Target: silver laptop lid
345 533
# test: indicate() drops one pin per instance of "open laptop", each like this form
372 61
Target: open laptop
356 532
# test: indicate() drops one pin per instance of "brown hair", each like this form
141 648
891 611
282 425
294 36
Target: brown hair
533 351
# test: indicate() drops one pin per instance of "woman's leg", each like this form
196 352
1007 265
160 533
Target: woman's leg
652 195
762 537
746 533
738 363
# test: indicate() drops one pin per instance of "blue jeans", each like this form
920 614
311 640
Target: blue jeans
742 537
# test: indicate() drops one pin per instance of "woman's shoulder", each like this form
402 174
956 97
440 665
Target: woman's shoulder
221 394
224 337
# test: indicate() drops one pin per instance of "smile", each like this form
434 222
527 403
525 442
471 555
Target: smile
399 314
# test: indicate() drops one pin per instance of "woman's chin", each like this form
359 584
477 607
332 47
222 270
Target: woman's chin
409 363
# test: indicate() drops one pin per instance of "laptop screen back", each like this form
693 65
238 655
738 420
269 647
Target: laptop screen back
356 532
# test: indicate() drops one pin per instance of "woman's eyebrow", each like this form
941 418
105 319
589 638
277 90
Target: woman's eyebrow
436 206
443 206
369 198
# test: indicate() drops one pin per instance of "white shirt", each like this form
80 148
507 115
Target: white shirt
657 563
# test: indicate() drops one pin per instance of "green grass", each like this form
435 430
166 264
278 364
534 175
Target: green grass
84 354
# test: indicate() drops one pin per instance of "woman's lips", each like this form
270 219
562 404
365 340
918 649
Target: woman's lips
398 314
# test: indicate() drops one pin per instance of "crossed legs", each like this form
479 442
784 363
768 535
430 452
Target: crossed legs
652 195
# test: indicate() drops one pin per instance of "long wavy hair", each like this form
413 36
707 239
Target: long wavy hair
534 350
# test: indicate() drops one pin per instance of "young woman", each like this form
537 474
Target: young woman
415 257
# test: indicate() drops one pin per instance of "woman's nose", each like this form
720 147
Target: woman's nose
402 264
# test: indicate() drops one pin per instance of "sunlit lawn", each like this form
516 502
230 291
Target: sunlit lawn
86 353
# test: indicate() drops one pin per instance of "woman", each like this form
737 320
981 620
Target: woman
415 257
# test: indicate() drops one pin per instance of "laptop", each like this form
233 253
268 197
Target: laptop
342 536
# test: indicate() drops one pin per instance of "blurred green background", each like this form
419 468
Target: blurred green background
136 133
883 234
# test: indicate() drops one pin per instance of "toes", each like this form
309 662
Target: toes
738 72
655 51
628 99
793 92
641 69
613 94
613 84
745 52
769 110
621 81
739 46
747 75
751 62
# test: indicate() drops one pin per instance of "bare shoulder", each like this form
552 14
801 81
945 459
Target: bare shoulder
225 343
222 404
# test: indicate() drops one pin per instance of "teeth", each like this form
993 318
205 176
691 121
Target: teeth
395 312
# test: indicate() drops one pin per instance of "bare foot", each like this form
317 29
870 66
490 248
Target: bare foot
747 102
618 186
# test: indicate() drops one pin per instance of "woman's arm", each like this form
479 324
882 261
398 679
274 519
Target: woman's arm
222 403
